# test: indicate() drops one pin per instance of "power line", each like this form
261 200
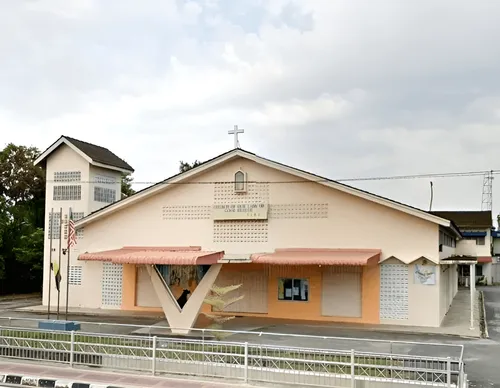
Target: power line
320 180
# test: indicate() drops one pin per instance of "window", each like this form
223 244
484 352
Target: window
68 193
293 289
54 226
239 181
102 194
446 240
67 176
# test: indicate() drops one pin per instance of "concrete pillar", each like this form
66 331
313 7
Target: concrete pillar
182 320
472 293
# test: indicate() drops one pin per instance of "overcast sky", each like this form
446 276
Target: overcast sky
340 88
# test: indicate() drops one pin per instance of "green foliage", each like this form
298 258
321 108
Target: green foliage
22 215
184 166
127 189
219 301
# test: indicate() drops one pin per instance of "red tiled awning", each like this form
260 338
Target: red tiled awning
484 259
308 256
155 255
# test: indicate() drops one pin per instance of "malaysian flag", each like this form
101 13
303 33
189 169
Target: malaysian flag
71 230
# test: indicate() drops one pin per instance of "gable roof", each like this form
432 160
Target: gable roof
468 219
238 152
94 154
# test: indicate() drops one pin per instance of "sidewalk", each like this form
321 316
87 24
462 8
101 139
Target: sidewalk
455 323
104 379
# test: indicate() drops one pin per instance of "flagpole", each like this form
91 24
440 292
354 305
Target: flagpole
67 268
60 247
50 257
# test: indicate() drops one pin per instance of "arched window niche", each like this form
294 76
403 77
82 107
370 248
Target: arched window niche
240 182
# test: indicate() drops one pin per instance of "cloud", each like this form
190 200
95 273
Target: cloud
342 88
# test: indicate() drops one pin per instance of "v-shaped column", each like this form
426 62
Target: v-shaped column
182 320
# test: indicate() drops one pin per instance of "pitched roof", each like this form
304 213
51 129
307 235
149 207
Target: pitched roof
468 219
235 153
95 154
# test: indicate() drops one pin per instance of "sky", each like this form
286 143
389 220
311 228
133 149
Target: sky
341 88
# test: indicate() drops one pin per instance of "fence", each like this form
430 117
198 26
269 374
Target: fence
285 336
248 362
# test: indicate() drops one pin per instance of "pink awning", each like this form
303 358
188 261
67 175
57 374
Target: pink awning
155 255
307 256
484 259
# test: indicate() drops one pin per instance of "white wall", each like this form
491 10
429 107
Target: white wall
496 246
63 159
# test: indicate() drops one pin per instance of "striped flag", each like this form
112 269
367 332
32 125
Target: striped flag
71 230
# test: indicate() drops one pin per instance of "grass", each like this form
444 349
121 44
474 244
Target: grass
168 350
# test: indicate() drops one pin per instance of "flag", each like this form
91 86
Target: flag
71 231
57 274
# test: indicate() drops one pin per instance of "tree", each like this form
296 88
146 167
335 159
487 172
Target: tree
218 300
20 179
184 166
22 216
127 189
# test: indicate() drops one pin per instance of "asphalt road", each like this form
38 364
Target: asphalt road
122 379
481 355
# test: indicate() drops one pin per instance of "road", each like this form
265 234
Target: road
481 355
122 379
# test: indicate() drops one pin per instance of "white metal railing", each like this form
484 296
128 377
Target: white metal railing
265 337
248 362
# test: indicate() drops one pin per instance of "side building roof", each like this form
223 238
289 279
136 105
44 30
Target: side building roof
468 219
94 154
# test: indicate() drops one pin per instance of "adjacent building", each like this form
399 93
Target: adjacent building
303 247
476 226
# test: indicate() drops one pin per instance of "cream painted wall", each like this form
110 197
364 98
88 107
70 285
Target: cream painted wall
66 159
352 223
423 300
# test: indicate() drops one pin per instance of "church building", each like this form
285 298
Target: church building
303 247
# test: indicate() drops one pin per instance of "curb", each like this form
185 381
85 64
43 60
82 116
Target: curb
86 314
483 320
31 381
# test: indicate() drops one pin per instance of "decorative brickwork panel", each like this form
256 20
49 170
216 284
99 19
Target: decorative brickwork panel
224 194
186 212
75 275
67 193
241 231
298 210
394 291
54 226
67 176
111 291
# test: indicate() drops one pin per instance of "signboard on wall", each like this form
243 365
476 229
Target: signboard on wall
254 211
425 274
